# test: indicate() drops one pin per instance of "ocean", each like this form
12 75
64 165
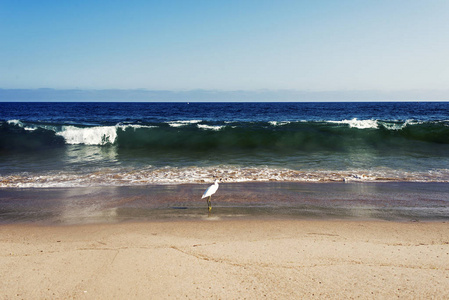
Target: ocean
73 146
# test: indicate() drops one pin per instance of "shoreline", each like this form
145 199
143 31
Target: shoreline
394 201
226 259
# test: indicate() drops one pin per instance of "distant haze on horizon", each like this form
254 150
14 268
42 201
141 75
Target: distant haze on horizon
224 50
140 95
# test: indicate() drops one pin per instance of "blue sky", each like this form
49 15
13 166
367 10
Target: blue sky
229 45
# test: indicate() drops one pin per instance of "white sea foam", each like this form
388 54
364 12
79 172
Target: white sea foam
98 135
101 135
20 124
133 126
277 123
210 127
183 123
360 124
15 122
394 125
399 125
228 174
174 124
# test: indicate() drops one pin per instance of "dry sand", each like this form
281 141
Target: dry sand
276 259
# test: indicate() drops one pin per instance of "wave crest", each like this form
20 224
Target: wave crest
359 124
99 135
103 135
278 136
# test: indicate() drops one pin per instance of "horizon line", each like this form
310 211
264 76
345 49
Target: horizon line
214 95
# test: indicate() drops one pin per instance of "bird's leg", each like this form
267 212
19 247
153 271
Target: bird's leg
209 204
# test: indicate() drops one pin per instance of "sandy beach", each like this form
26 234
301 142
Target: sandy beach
253 259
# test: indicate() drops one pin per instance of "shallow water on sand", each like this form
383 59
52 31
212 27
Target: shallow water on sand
385 201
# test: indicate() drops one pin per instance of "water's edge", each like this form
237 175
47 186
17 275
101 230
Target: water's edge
395 201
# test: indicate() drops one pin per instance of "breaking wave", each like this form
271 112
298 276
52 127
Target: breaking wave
197 135
102 135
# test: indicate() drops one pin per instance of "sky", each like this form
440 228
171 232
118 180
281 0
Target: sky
383 46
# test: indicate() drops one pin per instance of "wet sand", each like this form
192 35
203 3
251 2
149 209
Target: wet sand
394 201
227 259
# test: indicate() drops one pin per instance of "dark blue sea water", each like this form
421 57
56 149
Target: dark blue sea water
122 144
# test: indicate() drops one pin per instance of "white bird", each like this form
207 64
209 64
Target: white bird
209 192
